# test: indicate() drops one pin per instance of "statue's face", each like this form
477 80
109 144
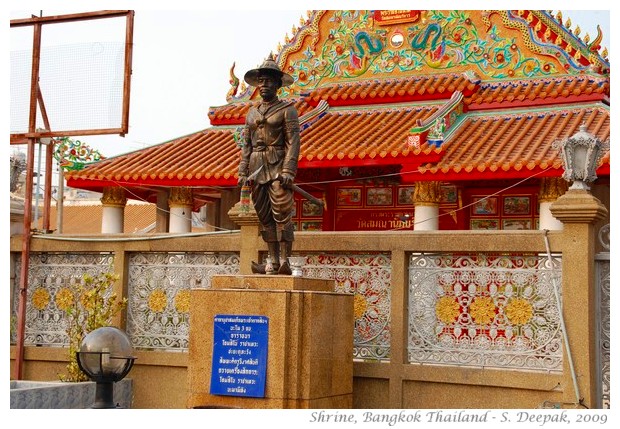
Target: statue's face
268 86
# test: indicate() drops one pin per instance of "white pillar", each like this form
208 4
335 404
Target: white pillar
113 216
181 204
426 198
180 219
426 218
551 188
112 220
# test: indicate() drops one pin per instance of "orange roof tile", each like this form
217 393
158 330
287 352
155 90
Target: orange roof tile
502 145
377 91
367 136
207 157
490 94
234 113
540 91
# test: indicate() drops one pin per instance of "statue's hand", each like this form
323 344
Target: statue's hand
286 179
242 180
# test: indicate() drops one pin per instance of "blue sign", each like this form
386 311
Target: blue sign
239 363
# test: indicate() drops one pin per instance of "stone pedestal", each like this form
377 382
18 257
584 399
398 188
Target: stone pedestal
579 211
309 347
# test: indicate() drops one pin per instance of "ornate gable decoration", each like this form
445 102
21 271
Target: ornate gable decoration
338 46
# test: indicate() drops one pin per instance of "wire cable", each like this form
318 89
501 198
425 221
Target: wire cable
137 197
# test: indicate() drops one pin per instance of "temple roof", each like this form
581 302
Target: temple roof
483 144
365 136
377 91
506 84
349 136
523 92
338 46
502 144
550 90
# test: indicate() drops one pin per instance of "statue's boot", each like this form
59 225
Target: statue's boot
258 268
285 252
274 253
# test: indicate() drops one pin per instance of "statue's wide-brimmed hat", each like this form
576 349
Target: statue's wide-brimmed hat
269 66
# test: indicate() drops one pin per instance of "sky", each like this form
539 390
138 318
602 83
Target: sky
182 58
180 67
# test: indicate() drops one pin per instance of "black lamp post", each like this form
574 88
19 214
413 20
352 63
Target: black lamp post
105 356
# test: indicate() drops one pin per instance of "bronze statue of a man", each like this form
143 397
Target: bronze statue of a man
269 158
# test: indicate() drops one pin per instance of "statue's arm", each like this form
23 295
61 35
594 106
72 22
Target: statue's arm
292 141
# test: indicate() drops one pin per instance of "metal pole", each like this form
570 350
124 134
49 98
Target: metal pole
47 200
49 147
60 197
38 185
23 276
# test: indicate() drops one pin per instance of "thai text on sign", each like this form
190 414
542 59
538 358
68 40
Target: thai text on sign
387 17
239 362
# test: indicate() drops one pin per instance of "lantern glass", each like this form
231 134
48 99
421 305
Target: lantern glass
105 352
580 161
